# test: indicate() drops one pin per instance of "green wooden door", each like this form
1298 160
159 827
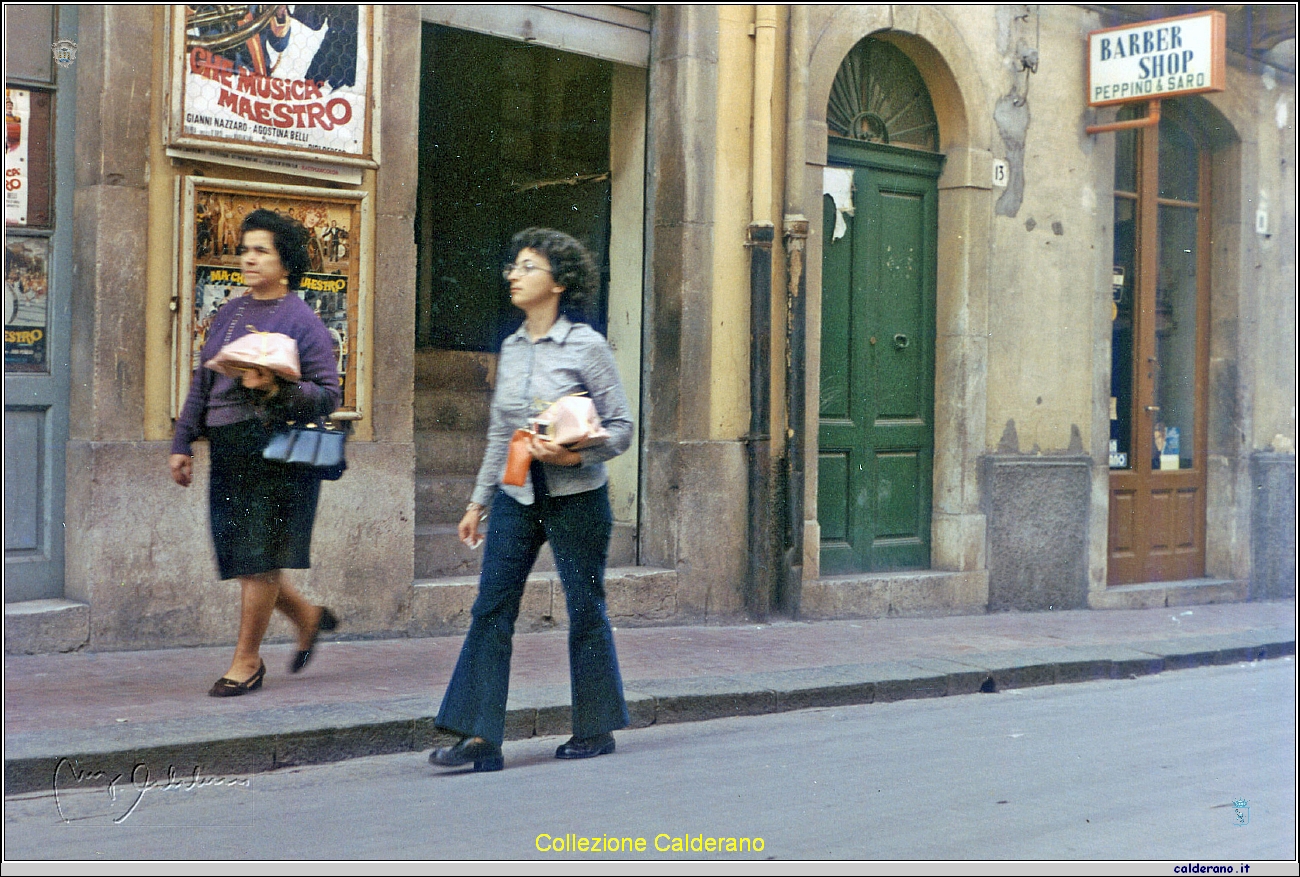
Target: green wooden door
876 431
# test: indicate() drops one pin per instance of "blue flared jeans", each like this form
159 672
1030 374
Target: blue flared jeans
578 527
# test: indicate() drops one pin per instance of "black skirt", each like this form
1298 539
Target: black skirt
261 512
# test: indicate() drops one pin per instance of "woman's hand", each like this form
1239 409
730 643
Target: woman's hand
547 451
258 378
467 530
181 467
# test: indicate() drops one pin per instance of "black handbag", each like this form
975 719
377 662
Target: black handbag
320 448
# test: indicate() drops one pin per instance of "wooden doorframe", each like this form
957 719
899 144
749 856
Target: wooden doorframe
1128 526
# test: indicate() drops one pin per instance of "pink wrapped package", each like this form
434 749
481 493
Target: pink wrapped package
573 422
269 350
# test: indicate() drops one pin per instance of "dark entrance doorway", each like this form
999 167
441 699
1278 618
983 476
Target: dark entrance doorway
511 135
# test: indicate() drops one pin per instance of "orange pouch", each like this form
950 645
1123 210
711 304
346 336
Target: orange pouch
518 459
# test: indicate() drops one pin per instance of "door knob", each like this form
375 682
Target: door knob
900 341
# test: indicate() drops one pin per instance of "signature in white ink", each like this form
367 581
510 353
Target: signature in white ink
69 773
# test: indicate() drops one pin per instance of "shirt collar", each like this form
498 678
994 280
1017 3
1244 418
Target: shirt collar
558 333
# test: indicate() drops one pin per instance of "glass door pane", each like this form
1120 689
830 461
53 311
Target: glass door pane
1175 329
1123 288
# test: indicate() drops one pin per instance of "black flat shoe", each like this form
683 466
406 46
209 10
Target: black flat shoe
484 755
227 687
327 622
586 747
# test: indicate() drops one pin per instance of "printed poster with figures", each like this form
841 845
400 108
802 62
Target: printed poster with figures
274 79
17 126
212 276
27 276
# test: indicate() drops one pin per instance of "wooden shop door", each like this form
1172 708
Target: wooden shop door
1159 354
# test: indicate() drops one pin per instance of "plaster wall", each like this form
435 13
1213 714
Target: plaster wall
1049 240
732 182
626 240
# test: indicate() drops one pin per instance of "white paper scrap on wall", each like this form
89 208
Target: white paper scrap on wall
838 183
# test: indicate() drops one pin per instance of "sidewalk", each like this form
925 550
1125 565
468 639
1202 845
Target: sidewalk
112 711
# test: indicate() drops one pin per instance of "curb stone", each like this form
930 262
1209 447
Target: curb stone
271 739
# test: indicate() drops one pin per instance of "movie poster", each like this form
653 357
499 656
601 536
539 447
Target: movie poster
17 134
27 277
293 77
330 287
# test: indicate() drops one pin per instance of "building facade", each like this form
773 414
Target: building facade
905 338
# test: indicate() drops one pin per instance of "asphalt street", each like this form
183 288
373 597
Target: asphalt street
1156 767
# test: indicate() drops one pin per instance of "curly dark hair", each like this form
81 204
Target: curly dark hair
290 238
571 265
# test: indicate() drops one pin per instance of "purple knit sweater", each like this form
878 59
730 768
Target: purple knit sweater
216 400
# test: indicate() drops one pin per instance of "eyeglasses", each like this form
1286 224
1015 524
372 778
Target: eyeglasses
524 268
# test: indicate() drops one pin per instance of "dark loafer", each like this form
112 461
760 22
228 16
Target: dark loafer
485 756
327 622
586 747
227 687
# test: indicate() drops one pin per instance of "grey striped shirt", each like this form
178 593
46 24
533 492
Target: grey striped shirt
570 358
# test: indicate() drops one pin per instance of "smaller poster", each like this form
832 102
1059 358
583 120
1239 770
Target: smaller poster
27 278
215 287
331 285
18 117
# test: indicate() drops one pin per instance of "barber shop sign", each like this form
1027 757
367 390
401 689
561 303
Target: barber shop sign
1155 60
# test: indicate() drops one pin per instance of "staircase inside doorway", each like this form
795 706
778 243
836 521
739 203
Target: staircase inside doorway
453 391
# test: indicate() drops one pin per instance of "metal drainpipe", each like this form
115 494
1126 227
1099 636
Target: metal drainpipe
790 588
761 581
791 584
759 585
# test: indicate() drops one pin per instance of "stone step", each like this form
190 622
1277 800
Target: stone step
440 499
452 410
439 452
35 627
439 553
454 369
636 596
909 593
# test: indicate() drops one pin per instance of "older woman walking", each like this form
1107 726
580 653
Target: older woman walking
261 512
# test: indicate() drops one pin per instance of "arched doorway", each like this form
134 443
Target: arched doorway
876 410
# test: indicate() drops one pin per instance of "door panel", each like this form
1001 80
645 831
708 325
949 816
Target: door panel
833 497
1121 523
877 370
1160 357
24 515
